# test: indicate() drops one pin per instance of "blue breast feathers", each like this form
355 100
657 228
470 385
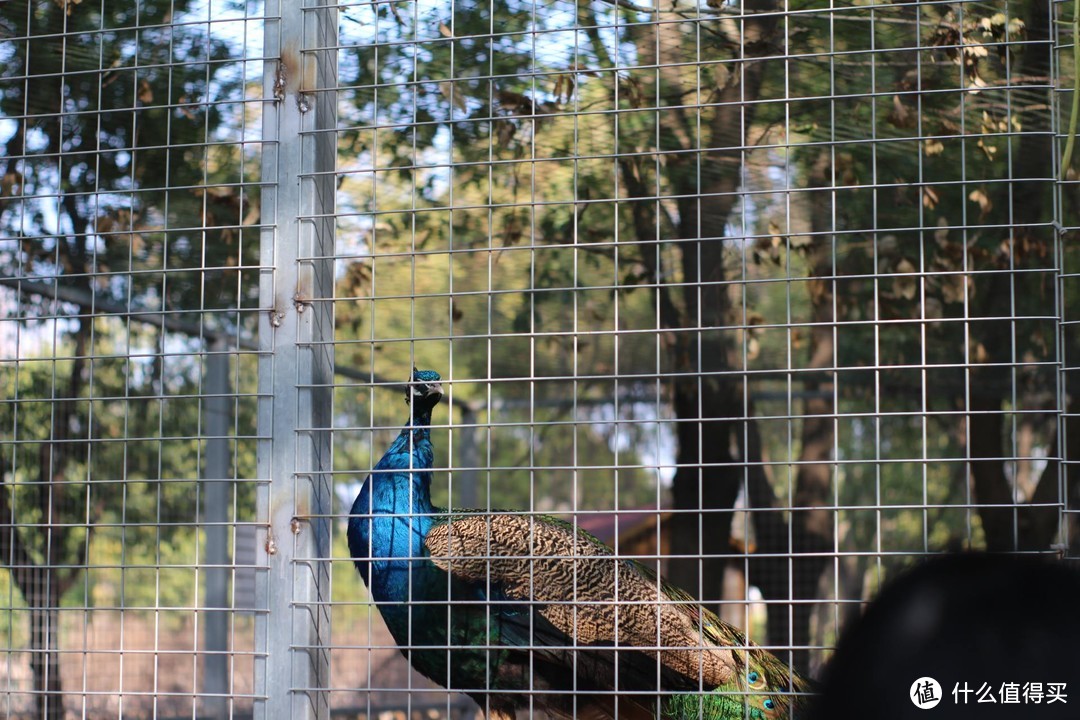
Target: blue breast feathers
393 512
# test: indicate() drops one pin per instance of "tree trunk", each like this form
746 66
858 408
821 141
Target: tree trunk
769 568
713 418
40 567
811 520
1037 521
813 516
710 405
44 642
704 490
1007 527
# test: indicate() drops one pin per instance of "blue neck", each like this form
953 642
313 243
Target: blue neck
392 514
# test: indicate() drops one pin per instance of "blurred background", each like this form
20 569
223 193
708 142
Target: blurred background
777 295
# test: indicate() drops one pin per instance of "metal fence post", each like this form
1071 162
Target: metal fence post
217 470
296 366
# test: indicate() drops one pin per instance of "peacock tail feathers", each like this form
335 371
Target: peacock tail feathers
578 585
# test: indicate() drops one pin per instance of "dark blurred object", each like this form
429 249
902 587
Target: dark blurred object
993 625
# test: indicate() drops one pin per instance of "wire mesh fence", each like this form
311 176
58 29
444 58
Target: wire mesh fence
132 144
772 298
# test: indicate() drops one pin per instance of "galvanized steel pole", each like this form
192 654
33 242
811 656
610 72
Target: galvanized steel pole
296 365
217 471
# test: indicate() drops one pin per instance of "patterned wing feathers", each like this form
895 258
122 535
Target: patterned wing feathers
579 586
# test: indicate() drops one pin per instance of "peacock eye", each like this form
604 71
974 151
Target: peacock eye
753 677
769 704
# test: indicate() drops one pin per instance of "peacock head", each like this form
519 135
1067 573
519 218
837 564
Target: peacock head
424 391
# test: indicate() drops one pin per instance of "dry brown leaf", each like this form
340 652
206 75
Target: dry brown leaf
953 288
983 200
775 232
584 70
975 49
930 198
68 6
504 132
253 212
451 92
932 309
753 348
10 182
901 116
721 76
906 285
564 88
941 235
512 101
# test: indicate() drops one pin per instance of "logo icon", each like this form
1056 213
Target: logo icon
925 693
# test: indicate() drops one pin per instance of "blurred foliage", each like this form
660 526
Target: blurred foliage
121 169
123 156
517 184
127 505
882 174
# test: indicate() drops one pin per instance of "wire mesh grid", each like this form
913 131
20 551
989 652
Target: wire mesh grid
764 293
129 286
773 298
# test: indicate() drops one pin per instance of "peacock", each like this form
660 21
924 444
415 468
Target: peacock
519 611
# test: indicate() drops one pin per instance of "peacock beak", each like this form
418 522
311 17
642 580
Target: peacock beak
434 391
